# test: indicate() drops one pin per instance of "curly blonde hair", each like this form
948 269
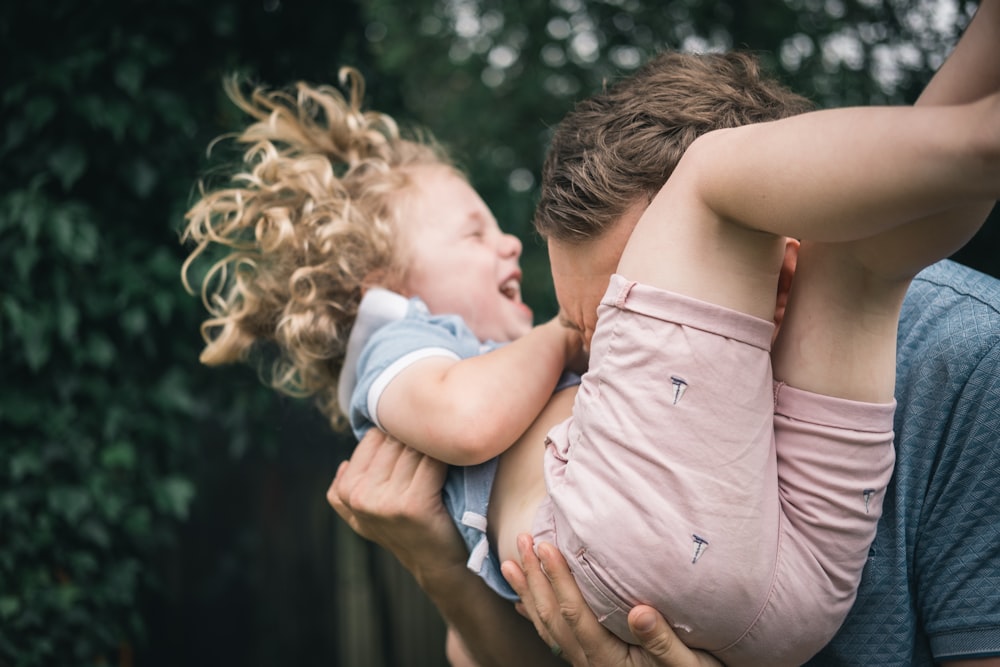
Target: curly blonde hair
306 221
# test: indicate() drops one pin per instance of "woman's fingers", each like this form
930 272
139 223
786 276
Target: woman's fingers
596 645
661 646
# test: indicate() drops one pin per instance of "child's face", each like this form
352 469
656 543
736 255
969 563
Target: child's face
458 261
581 271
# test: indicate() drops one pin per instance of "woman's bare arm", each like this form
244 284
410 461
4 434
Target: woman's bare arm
391 494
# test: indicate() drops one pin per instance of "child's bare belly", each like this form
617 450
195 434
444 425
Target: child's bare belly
519 486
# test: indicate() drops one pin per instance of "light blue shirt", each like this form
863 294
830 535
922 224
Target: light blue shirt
391 333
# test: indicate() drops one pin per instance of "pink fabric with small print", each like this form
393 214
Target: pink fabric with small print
687 479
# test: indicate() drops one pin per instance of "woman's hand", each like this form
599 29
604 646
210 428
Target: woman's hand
391 494
553 602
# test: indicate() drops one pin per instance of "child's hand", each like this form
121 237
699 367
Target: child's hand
577 356
579 361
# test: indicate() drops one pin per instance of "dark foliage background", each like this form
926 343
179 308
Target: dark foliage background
155 512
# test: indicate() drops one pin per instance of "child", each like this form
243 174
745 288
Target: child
373 267
760 528
618 151
424 398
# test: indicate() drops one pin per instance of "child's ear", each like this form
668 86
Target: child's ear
378 278
785 280
394 277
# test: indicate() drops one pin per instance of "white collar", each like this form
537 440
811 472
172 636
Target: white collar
378 307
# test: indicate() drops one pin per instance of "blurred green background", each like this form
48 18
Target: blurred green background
153 512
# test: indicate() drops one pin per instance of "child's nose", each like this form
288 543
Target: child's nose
510 246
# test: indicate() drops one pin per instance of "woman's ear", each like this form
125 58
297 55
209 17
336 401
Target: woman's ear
785 280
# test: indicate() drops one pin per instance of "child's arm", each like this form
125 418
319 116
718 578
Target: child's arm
468 411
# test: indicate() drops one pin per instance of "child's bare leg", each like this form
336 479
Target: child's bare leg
839 312
838 336
837 177
682 246
839 333
838 341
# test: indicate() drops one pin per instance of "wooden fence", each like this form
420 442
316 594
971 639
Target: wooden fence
267 575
